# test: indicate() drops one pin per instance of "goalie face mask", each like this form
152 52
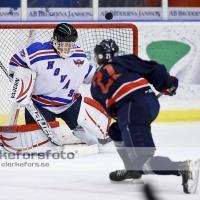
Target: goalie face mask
63 49
63 40
105 51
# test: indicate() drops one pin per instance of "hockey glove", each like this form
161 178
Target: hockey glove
172 90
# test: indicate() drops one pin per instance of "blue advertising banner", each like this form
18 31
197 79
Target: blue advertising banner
184 13
10 14
86 14
132 13
59 14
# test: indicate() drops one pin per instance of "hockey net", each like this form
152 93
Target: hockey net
14 37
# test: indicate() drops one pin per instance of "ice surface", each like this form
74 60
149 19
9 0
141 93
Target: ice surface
87 177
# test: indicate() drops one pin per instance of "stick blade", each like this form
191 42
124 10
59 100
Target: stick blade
149 194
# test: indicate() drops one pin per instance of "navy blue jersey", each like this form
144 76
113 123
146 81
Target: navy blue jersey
125 78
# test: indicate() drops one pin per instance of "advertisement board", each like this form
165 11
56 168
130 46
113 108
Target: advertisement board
86 14
183 13
13 14
59 14
132 13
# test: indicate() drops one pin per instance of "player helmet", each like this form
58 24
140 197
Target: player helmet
64 37
105 51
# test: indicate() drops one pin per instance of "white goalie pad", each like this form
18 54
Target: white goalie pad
22 85
27 138
93 118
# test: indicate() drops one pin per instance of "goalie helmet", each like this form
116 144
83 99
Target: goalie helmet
105 51
64 37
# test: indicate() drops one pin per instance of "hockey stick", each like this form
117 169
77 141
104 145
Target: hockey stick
40 120
159 95
149 194
12 119
169 90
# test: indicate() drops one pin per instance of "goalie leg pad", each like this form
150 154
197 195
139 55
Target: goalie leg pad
27 138
93 118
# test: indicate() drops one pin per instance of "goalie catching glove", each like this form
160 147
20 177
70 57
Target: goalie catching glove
172 90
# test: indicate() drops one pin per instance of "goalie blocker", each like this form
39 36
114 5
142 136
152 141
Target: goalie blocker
22 86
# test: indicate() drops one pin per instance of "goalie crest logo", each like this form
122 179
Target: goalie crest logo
78 62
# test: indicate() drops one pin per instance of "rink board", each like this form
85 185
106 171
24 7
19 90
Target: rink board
164 116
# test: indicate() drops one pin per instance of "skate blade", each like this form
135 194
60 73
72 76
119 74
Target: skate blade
130 181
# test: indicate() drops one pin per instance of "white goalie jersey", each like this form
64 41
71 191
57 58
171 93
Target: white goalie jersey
57 80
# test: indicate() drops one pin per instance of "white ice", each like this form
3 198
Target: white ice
87 178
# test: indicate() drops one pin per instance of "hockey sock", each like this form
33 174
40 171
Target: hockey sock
160 166
124 155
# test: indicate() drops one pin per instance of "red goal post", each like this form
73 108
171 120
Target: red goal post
14 37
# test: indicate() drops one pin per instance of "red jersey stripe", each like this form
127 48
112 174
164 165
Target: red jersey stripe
126 89
48 102
79 51
16 62
41 53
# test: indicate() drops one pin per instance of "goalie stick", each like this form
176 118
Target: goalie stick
39 119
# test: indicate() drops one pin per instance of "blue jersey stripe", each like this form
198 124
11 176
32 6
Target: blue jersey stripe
89 70
57 99
33 48
13 64
43 58
11 75
20 60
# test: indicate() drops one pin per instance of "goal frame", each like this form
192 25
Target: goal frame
133 33
82 26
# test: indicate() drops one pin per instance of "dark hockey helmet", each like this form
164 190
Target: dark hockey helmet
105 51
64 37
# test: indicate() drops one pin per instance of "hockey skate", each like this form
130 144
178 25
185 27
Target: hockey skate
121 175
190 173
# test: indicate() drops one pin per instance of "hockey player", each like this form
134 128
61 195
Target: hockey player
122 86
61 67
